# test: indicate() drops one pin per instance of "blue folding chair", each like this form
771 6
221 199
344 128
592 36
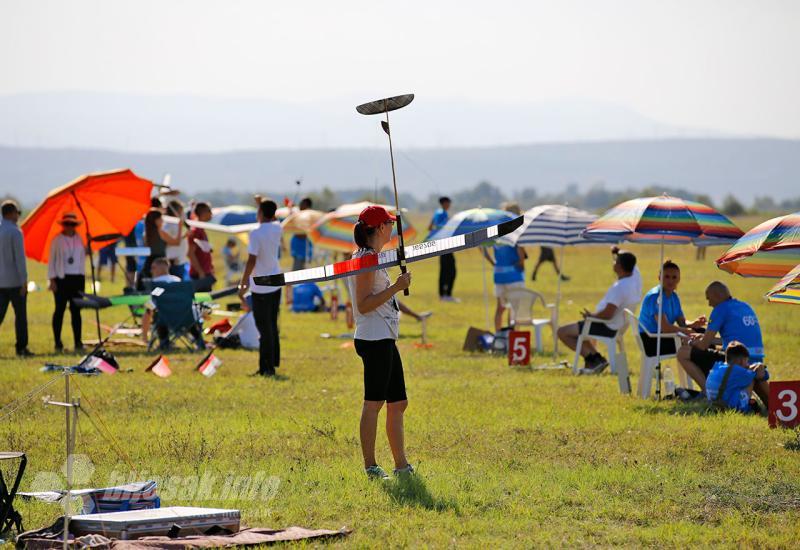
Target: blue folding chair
177 318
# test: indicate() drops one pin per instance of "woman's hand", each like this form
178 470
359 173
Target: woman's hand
403 282
51 286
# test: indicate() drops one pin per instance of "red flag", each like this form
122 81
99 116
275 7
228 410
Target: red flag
160 367
208 366
101 364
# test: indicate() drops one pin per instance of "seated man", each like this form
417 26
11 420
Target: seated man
672 318
160 271
624 293
307 297
734 321
739 382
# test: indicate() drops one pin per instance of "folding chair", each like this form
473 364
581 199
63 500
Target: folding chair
617 358
522 301
176 313
649 362
8 516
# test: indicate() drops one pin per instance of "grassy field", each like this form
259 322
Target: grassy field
506 456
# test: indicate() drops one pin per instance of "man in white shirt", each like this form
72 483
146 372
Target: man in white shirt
262 260
66 270
624 293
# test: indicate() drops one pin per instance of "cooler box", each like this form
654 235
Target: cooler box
154 522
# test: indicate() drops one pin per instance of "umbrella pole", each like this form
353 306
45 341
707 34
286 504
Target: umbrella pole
660 314
558 301
91 263
485 292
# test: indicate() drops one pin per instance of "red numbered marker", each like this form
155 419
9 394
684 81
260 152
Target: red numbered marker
519 348
784 404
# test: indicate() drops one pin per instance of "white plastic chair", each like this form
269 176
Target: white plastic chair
617 358
522 301
649 363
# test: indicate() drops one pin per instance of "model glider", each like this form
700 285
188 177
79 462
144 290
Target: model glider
389 258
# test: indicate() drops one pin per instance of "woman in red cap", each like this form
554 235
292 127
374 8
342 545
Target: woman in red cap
376 317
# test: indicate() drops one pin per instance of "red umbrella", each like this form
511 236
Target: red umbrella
108 203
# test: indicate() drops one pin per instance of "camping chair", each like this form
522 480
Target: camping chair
8 516
649 362
522 301
176 312
617 358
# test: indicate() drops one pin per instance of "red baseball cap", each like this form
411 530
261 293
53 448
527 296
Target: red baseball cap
373 216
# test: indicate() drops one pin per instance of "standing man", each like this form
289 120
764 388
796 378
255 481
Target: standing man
14 275
447 262
265 242
201 264
66 269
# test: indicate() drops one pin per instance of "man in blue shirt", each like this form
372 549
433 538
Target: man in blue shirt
447 262
509 272
732 382
672 320
734 321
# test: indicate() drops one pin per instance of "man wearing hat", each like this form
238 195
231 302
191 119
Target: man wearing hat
66 269
14 275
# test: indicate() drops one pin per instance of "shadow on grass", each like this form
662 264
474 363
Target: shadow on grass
793 443
411 490
677 408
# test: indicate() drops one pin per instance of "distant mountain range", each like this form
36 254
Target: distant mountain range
188 124
743 167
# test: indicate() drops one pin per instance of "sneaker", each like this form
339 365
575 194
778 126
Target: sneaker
25 353
564 278
405 471
597 366
376 472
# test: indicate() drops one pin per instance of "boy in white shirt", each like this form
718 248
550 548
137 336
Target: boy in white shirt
624 293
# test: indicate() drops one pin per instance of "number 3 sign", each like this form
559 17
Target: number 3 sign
784 404
519 348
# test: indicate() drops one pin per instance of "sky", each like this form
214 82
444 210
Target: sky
725 65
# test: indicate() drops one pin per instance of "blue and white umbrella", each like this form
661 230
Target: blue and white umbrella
233 215
553 225
471 220
468 221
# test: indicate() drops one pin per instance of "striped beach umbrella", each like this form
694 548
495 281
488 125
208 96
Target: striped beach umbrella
770 249
235 214
554 225
787 291
663 220
334 230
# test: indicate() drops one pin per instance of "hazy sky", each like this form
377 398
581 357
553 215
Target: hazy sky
727 65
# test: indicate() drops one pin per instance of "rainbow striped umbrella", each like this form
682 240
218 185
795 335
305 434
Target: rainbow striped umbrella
334 230
663 220
770 249
787 291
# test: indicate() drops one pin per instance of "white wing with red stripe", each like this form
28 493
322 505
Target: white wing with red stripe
413 253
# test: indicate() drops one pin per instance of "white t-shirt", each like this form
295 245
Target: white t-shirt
624 293
265 243
178 252
383 321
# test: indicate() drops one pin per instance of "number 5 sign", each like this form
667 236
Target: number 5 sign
784 404
519 348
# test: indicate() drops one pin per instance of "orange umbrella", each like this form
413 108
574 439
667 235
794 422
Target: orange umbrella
108 203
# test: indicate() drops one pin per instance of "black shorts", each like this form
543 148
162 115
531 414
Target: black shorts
649 343
598 329
383 370
706 358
